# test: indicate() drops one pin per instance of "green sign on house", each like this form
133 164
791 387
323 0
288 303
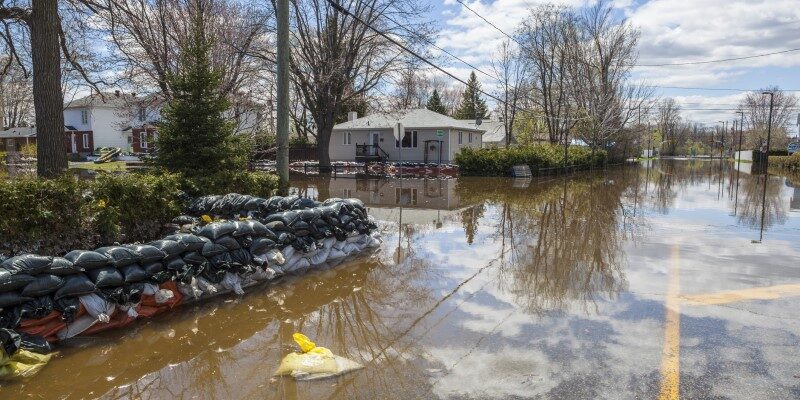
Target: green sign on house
439 133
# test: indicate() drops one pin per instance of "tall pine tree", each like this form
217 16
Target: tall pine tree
472 105
194 137
435 103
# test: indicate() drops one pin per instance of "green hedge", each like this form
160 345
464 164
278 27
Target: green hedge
498 161
786 162
58 215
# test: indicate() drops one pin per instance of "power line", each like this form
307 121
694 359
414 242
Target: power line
642 65
719 60
719 89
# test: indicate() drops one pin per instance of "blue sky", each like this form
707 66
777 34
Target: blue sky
671 31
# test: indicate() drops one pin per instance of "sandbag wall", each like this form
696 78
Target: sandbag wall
223 244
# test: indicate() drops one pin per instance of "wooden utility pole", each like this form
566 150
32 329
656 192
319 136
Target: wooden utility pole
282 158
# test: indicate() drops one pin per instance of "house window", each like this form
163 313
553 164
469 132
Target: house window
409 140
85 140
142 114
347 193
348 139
460 137
143 140
84 116
405 196
470 137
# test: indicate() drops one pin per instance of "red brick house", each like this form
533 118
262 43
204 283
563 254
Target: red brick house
75 141
144 139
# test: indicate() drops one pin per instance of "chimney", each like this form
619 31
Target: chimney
352 115
116 93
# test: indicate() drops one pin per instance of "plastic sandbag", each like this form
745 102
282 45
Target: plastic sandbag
120 256
62 267
213 249
31 264
74 286
78 326
192 242
275 256
97 307
241 257
207 287
262 245
233 282
171 248
106 277
43 285
22 364
148 253
133 273
229 242
194 258
11 299
10 282
216 230
87 259
191 289
314 362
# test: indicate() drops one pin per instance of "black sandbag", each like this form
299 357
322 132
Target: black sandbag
149 253
12 299
133 273
242 229
213 249
87 259
192 242
120 256
176 264
304 203
31 264
153 268
217 230
213 274
34 343
262 245
229 242
194 258
309 215
170 247
10 282
39 307
62 267
9 340
253 204
278 226
245 241
43 285
106 277
127 294
241 257
161 277
221 261
183 220
68 307
75 285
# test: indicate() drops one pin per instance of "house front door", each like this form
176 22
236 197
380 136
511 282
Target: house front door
73 145
374 140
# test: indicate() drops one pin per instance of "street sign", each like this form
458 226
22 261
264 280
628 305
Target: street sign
793 147
439 133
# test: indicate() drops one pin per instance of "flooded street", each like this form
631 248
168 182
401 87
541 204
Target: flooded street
632 282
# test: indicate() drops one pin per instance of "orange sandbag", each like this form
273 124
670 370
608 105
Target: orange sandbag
147 311
47 326
118 320
150 300
41 321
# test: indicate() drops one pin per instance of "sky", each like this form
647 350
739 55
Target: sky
672 31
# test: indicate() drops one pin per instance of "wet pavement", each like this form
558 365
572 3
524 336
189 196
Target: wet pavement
647 281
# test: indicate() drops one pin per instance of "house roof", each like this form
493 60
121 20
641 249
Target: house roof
495 130
420 118
18 132
112 100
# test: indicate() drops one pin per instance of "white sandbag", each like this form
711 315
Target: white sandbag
191 289
78 326
320 257
232 282
206 286
327 243
149 289
275 256
288 252
98 308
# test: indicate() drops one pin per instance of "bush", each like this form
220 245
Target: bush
498 161
791 163
58 215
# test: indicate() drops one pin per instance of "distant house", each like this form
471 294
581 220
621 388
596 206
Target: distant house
75 141
428 137
495 135
103 117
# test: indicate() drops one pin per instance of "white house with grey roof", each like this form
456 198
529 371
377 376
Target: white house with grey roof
429 137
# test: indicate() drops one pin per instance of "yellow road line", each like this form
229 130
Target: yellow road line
670 352
759 293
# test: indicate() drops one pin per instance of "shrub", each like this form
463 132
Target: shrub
58 215
791 163
498 161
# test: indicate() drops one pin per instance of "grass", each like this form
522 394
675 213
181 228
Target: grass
113 166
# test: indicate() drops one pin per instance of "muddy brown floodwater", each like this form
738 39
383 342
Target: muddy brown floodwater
632 282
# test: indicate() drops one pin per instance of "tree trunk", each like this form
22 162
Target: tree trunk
48 100
323 144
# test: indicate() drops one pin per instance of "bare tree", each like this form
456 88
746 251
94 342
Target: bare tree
510 67
756 110
16 100
337 59
668 116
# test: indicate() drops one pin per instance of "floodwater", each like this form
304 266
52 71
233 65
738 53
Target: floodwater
634 282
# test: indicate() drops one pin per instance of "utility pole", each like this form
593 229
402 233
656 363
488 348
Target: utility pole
741 131
769 124
282 158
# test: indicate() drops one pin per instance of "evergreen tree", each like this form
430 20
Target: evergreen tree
472 105
193 136
435 103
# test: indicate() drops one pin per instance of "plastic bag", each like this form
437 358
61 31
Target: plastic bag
10 282
233 282
42 285
120 256
106 277
97 307
22 364
62 267
11 299
148 253
27 264
171 248
314 362
87 259
192 242
133 273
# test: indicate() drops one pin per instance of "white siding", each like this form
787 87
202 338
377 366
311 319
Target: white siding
340 152
107 127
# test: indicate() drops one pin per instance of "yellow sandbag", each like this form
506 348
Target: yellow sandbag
22 364
314 362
